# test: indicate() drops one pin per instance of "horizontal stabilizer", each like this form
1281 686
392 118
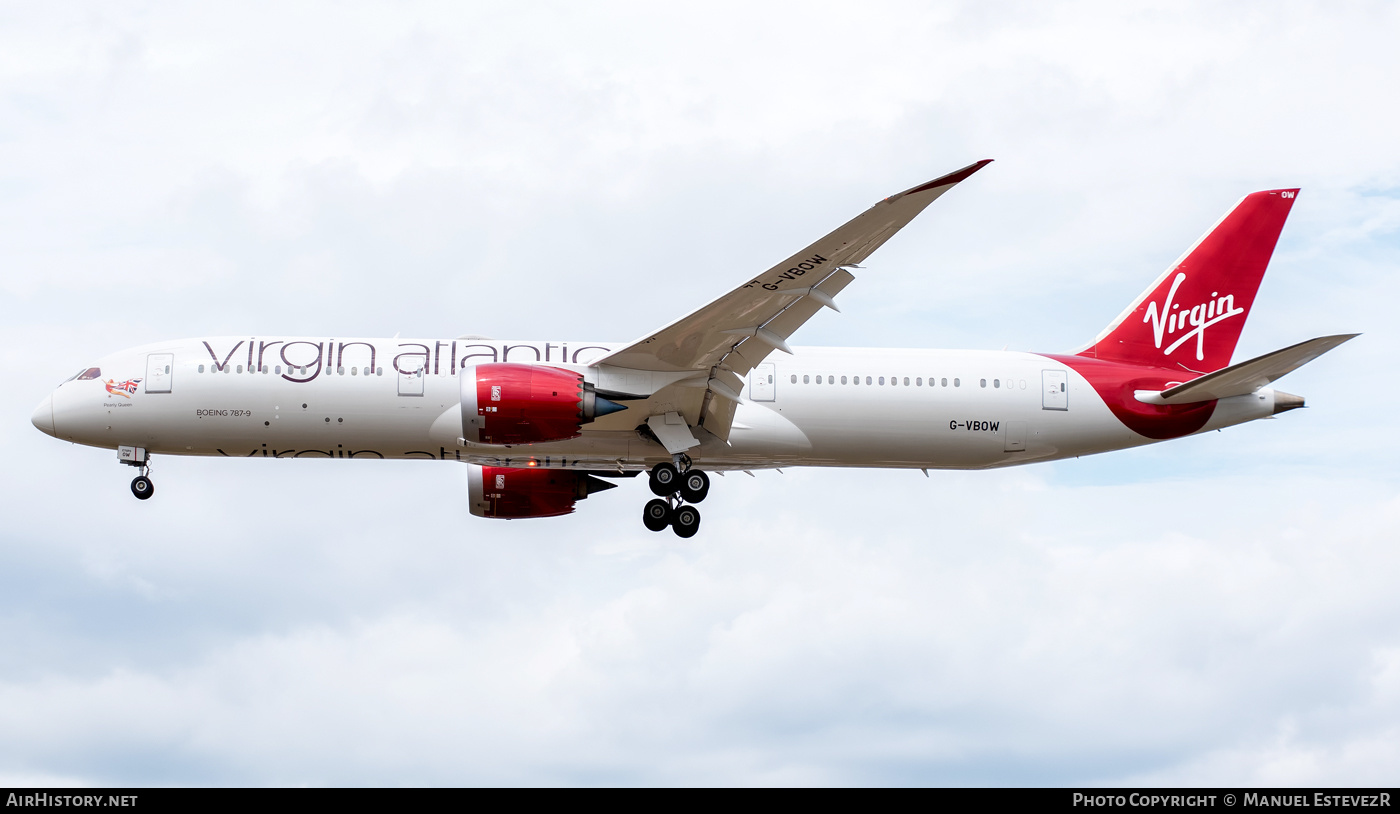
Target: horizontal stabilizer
1246 377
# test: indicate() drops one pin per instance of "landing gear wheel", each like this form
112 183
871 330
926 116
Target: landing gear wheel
656 515
665 480
694 486
142 487
686 521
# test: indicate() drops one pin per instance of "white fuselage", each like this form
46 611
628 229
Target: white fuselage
394 398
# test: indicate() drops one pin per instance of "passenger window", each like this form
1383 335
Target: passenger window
996 383
354 371
843 379
957 382
867 380
906 381
882 380
279 370
201 368
379 371
945 382
340 371
919 382
984 382
805 380
240 368
794 378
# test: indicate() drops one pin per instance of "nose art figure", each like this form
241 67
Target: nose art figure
43 416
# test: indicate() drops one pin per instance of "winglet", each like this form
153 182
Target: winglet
945 180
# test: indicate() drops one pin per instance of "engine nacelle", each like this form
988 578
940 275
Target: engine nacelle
509 403
507 493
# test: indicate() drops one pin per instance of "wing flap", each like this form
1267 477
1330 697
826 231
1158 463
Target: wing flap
1247 377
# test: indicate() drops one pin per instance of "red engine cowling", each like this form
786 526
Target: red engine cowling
506 493
508 403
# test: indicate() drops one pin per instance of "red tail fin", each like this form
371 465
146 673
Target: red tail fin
1192 315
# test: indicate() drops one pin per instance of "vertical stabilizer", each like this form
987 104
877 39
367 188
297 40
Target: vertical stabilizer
1192 316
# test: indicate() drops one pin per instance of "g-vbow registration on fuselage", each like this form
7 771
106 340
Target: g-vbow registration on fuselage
544 424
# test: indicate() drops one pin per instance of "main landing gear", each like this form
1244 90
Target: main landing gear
676 485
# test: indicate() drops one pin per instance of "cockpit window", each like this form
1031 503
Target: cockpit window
84 375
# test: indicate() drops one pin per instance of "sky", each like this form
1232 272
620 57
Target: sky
1216 610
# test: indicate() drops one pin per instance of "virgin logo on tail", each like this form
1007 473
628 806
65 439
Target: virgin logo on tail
1172 319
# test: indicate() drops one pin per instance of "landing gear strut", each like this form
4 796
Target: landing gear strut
677 485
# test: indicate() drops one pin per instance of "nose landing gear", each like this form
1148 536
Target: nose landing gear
677 486
141 485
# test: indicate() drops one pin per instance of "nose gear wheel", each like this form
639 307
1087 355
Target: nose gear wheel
142 487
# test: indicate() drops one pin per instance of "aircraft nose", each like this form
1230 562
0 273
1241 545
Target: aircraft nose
43 416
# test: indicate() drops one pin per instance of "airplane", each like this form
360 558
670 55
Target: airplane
544 424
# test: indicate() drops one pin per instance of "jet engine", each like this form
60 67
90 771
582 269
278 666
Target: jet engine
508 403
507 493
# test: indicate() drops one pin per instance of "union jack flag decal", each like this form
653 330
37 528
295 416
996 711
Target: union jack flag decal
124 389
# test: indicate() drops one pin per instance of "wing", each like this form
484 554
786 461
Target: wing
740 329
692 369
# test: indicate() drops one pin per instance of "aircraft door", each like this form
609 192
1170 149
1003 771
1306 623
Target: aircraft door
159 372
1054 390
762 383
411 377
